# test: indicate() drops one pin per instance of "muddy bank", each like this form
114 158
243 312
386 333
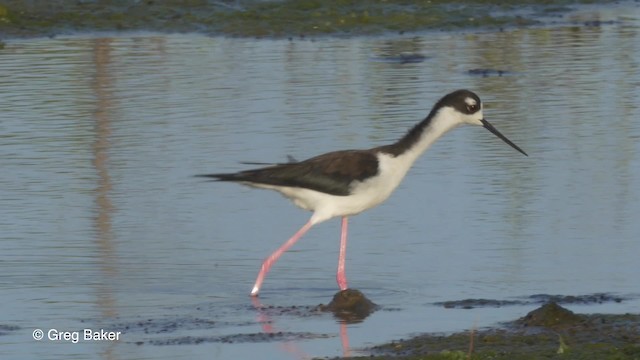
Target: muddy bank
287 18
548 332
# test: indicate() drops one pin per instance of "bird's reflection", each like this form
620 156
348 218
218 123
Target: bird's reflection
267 326
349 306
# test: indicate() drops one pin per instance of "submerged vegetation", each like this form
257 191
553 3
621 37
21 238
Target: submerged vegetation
284 18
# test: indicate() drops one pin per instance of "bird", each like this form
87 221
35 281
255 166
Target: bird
347 182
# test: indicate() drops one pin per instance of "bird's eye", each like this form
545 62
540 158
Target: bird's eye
472 108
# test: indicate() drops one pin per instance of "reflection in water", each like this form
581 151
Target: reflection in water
102 87
264 319
344 339
267 323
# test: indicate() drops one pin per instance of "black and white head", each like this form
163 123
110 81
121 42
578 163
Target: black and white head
465 107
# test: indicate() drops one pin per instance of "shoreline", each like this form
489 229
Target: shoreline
278 19
549 332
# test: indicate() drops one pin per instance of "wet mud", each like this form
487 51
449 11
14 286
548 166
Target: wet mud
350 305
550 331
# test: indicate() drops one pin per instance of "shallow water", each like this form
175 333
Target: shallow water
104 227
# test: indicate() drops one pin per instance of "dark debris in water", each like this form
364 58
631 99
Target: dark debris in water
599 23
489 72
292 310
476 303
6 329
156 327
404 58
238 338
588 299
162 326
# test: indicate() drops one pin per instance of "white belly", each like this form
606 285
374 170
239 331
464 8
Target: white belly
364 195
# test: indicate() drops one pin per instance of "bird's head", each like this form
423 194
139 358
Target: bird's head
464 107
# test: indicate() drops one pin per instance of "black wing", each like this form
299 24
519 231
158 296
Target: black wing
331 173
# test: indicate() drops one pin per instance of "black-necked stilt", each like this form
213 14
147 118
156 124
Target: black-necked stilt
347 182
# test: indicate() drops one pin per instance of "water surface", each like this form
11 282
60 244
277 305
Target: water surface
103 225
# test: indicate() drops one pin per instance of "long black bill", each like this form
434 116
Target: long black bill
487 125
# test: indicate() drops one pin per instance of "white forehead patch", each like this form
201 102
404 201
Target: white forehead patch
470 101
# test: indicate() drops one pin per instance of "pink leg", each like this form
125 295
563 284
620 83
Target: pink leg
268 262
340 276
